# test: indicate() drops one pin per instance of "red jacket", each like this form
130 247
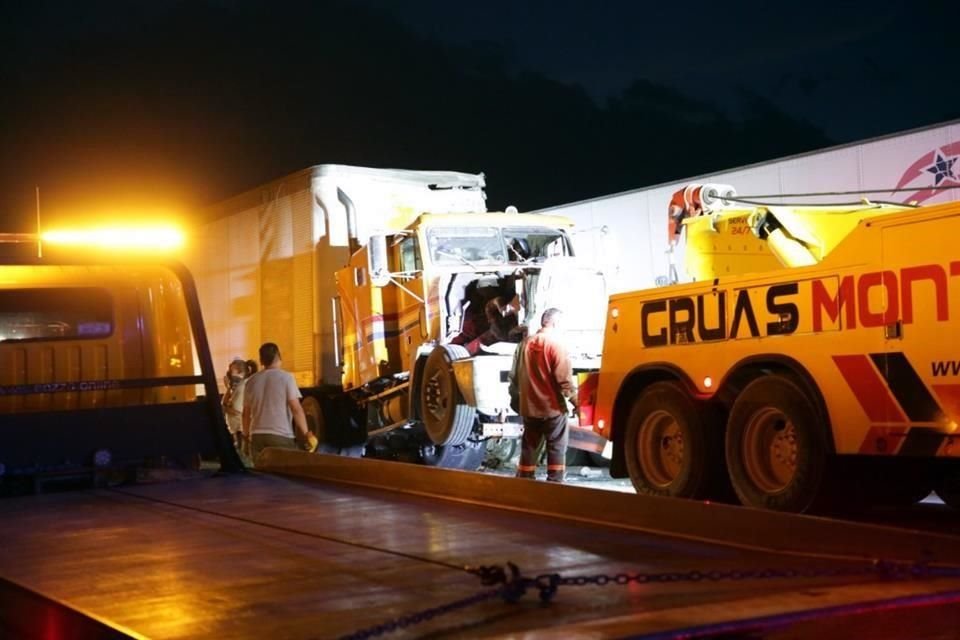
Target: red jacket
545 377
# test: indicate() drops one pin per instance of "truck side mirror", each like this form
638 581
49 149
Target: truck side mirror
377 265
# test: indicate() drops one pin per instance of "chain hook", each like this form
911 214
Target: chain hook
547 584
489 574
514 585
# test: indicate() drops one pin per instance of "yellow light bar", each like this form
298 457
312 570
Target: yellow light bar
149 238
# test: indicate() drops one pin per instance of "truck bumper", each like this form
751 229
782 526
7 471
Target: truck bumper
584 438
502 429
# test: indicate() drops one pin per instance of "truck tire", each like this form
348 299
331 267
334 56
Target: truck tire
316 423
595 459
447 418
467 456
501 452
776 455
576 458
670 447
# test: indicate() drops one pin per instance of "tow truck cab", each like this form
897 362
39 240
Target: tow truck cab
103 364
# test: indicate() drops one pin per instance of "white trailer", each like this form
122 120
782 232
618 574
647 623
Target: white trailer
264 260
626 233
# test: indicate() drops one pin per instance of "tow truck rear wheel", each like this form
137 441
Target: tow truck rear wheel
671 449
446 416
316 423
776 456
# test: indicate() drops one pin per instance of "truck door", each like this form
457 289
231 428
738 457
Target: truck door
922 354
407 267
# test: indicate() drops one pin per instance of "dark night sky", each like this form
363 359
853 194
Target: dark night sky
114 106
811 58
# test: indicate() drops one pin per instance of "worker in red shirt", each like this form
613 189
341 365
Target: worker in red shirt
544 379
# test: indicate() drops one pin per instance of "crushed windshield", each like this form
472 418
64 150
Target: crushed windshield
533 243
454 245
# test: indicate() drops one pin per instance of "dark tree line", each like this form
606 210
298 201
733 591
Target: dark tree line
206 99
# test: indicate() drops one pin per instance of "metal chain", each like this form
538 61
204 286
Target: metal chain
513 585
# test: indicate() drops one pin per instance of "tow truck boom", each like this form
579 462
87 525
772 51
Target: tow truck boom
795 235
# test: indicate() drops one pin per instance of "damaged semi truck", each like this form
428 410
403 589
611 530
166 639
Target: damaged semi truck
397 300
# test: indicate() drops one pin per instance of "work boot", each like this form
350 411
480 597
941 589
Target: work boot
525 471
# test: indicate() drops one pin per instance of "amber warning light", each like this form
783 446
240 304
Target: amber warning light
136 238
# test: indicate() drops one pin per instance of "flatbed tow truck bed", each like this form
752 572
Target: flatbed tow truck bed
324 551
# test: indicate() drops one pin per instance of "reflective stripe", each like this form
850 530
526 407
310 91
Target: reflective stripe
80 386
526 467
883 440
868 388
556 467
907 387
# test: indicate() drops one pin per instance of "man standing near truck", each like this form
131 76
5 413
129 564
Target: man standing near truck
232 400
272 414
545 380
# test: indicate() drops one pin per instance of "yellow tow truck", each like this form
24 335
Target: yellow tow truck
815 356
